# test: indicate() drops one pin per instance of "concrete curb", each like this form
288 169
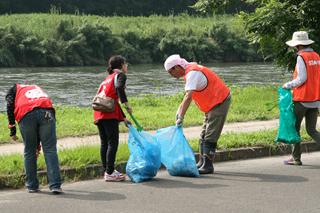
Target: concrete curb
94 171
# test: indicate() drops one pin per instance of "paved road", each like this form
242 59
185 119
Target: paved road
190 133
250 186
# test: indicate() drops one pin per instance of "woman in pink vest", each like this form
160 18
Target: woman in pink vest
306 90
108 122
212 97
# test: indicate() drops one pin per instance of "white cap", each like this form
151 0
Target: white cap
299 38
172 61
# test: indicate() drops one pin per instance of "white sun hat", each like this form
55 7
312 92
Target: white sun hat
299 38
172 61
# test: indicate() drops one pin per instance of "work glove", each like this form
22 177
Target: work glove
13 132
179 120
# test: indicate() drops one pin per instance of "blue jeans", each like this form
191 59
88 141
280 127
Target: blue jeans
40 125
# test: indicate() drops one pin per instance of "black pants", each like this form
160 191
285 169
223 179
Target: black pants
109 136
311 116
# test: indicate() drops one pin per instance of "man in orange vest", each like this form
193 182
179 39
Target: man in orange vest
31 107
306 90
212 97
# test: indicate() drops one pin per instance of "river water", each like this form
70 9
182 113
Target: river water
77 85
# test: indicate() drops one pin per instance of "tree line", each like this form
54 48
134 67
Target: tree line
124 7
99 7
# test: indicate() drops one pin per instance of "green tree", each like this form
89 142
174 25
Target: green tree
211 7
274 22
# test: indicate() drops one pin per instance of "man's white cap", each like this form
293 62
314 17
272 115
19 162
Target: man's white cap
299 38
172 61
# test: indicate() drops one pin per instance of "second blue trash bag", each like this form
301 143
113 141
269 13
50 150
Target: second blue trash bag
145 157
287 132
176 153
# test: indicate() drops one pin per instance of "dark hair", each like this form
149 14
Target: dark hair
115 62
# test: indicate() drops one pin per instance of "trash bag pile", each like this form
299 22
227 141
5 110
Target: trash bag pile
168 146
144 161
176 153
287 132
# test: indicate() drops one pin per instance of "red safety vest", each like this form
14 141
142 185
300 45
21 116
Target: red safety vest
215 92
29 97
109 88
309 91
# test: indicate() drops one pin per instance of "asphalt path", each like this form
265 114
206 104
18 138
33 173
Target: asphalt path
259 185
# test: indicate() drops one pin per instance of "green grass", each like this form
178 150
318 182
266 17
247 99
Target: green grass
44 25
85 155
153 112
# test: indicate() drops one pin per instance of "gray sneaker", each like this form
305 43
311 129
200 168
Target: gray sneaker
291 161
56 190
33 190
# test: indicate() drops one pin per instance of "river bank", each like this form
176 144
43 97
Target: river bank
82 40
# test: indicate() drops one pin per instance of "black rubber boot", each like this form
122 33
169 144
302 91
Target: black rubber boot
200 162
207 158
207 166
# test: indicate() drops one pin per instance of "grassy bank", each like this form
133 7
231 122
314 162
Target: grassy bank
44 25
83 156
153 112
70 40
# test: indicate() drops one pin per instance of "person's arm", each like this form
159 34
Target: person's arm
10 98
301 76
121 86
183 107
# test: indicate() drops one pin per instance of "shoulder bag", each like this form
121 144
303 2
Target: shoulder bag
103 103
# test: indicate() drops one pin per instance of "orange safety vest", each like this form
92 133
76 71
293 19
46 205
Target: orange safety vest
29 97
309 91
215 92
109 88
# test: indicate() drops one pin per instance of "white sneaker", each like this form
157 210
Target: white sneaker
115 176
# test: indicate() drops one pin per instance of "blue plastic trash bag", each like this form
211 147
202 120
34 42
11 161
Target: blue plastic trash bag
145 157
176 153
287 132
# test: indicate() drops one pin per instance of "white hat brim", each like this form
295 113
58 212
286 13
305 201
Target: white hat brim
293 43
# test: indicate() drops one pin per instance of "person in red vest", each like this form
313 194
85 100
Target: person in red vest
31 107
212 97
306 90
108 122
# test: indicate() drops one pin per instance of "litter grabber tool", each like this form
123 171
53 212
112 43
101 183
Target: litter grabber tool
139 127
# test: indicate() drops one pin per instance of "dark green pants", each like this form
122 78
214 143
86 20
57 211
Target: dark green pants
213 124
311 116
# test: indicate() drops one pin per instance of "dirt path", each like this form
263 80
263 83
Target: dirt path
190 133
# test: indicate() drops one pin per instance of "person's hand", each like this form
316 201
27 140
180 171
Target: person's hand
128 108
127 122
14 137
285 86
179 120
